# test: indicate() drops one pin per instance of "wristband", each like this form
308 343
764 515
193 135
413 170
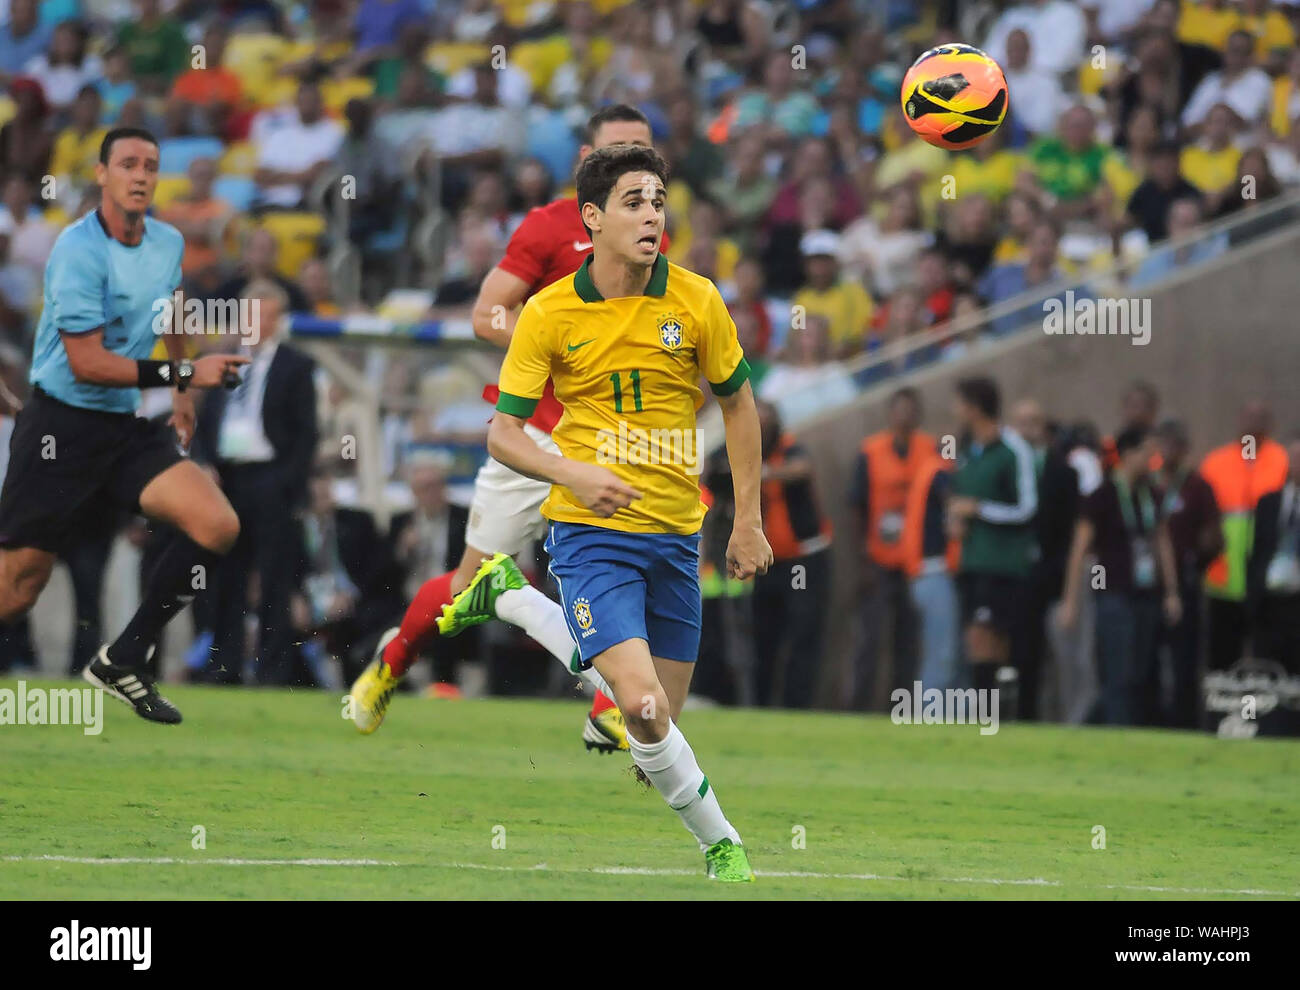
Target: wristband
154 374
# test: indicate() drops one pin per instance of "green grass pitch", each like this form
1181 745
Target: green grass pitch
498 799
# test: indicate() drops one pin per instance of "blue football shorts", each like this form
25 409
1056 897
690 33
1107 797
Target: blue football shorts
618 586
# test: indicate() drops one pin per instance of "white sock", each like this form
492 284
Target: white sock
543 620
670 765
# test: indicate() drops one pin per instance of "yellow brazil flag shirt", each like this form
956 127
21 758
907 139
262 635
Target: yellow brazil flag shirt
627 372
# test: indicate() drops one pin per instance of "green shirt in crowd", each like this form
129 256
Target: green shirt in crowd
1064 173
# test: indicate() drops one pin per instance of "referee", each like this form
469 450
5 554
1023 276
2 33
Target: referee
78 449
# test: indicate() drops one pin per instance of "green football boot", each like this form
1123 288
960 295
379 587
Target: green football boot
726 861
477 603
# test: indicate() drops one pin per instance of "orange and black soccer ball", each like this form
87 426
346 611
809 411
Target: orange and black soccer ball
954 96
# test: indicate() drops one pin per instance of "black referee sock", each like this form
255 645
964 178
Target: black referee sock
171 587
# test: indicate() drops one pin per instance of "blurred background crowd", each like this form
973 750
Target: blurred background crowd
374 156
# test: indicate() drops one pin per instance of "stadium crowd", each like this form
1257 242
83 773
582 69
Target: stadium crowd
336 157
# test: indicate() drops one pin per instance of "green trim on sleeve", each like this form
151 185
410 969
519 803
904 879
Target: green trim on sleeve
732 384
516 405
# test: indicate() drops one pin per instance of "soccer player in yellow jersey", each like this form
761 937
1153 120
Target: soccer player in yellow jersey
626 340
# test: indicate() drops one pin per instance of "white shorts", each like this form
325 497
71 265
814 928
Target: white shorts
505 513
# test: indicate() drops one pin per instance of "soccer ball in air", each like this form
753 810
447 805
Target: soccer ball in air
954 96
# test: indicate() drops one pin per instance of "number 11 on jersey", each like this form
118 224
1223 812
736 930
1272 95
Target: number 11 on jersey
635 378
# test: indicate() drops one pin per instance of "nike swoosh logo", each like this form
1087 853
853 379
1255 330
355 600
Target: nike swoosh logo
581 245
574 347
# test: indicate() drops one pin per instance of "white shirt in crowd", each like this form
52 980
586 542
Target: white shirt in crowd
464 128
1115 17
285 144
514 87
1057 32
1036 99
1249 96
798 392
242 438
62 82
30 242
880 261
1088 467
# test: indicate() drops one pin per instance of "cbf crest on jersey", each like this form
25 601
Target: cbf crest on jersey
670 331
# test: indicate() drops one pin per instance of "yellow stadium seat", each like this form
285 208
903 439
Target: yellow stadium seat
169 188
277 92
337 92
1091 80
255 59
296 51
451 57
239 158
297 235
7 109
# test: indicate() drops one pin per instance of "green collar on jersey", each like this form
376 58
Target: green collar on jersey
587 291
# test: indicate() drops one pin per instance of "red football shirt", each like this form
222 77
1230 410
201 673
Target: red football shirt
549 244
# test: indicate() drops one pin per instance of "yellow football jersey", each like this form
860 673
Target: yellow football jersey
627 372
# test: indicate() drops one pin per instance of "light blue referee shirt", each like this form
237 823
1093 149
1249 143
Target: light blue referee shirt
92 281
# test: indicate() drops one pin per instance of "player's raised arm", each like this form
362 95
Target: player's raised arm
724 365
93 364
496 309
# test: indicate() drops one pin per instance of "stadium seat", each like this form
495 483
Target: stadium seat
277 92
239 158
551 140
255 59
170 187
451 57
298 235
237 190
175 154
337 92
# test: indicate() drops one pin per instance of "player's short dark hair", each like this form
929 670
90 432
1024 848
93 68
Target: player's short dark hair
601 170
621 112
908 393
1144 388
121 134
983 394
1130 439
1174 430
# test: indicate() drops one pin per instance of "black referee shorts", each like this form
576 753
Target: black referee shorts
994 600
69 467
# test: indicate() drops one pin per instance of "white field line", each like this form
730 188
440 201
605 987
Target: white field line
640 871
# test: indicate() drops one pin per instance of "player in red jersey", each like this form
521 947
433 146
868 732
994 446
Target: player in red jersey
504 516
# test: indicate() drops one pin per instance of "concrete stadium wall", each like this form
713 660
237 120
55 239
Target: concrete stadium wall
1219 335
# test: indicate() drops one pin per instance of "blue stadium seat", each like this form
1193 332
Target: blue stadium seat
175 154
551 140
237 190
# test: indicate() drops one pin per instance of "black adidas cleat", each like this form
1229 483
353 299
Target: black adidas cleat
131 687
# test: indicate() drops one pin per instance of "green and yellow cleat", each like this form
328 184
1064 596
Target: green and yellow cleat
477 603
606 732
727 862
372 691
